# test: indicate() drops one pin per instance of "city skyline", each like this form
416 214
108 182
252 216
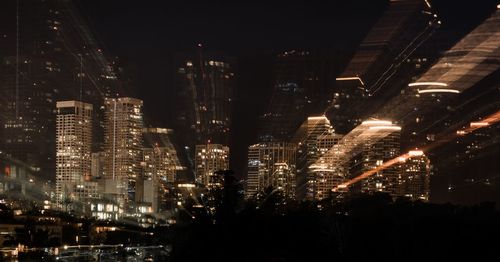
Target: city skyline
304 82
248 131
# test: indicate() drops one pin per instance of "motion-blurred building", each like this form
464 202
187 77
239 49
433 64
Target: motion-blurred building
160 166
302 87
414 176
47 54
314 137
375 72
206 83
375 151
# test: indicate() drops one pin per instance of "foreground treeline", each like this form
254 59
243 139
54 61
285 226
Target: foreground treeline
364 228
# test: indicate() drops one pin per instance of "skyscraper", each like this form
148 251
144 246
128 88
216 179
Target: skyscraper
47 54
321 181
271 164
206 83
211 158
74 183
122 147
414 176
375 72
301 87
160 167
376 153
160 155
315 130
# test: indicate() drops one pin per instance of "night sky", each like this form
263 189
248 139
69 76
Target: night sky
146 34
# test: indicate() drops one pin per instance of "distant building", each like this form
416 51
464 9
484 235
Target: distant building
55 59
322 181
413 180
301 87
160 155
206 83
74 183
378 69
160 166
211 158
271 164
122 148
314 137
375 154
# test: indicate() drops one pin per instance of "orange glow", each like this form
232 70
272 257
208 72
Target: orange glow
416 153
493 118
371 172
473 124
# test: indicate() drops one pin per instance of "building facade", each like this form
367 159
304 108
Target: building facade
206 83
47 54
73 159
211 158
271 164
314 137
375 154
414 179
122 147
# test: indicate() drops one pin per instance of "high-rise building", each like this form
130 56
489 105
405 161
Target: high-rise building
375 154
160 167
414 176
159 155
377 72
74 183
47 54
321 181
271 164
302 87
122 147
211 158
206 83
314 131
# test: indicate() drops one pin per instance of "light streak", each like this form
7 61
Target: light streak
370 172
350 78
428 84
395 128
416 153
428 4
323 170
316 118
438 90
493 118
376 122
186 185
474 124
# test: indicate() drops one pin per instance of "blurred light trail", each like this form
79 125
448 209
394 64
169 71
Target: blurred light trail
428 84
368 132
350 78
438 90
491 119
